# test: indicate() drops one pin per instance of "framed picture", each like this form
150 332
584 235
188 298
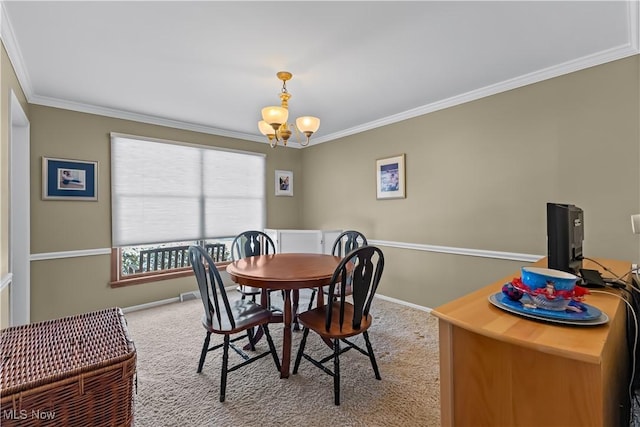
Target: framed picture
69 179
284 183
390 177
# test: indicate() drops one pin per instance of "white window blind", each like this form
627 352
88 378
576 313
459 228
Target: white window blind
170 192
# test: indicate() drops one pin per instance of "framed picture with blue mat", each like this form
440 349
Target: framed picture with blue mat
64 179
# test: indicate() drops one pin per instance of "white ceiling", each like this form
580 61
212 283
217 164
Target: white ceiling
210 66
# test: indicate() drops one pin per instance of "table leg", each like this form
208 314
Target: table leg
320 297
286 341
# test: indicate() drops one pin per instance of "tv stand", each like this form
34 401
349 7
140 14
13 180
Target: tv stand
500 369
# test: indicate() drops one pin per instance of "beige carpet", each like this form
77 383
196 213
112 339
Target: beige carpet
168 340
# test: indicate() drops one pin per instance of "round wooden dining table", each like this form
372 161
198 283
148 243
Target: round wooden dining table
286 272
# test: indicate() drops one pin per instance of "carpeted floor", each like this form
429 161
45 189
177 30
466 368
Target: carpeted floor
168 340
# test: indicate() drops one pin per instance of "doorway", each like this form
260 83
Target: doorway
19 215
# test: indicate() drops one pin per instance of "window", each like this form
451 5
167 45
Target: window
168 195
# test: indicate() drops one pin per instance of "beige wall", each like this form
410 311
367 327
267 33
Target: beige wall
73 285
479 176
8 83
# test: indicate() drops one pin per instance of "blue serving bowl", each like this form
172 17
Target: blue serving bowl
538 277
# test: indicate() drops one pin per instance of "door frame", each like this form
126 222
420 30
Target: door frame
19 214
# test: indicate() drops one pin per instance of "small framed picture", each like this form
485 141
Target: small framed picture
284 183
390 177
64 179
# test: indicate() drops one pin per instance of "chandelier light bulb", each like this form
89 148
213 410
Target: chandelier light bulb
275 116
308 124
265 128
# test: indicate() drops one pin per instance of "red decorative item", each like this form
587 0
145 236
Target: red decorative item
549 293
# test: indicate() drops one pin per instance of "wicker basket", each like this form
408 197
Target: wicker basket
73 371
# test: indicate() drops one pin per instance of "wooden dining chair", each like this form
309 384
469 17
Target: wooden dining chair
234 322
344 243
339 319
251 243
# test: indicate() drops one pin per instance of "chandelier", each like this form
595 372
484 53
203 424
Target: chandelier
274 119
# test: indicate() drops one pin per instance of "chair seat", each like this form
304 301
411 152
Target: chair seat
315 320
247 314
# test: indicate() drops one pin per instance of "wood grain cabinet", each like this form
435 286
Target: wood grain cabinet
501 369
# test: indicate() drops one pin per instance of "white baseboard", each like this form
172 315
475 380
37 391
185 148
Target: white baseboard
150 305
405 303
187 296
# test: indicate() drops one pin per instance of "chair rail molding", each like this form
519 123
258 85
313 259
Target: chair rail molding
70 254
482 253
512 256
5 281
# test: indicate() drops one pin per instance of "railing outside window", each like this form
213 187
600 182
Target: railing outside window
139 264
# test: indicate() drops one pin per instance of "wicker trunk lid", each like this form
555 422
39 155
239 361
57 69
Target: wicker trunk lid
73 371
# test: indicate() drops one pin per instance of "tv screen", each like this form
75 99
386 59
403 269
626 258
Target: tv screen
565 234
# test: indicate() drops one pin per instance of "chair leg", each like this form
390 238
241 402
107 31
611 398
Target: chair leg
336 371
296 300
203 353
303 342
272 347
313 295
225 363
371 355
256 337
252 340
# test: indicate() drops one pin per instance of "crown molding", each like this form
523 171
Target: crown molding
634 24
138 117
629 49
527 79
15 56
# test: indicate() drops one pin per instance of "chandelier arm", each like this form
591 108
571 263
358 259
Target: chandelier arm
299 138
304 144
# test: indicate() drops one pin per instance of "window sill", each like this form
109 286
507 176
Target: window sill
158 276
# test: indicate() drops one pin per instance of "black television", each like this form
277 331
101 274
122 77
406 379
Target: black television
565 234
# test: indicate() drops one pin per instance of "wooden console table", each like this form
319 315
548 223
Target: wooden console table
500 369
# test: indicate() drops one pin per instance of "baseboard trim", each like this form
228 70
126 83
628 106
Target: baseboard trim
405 303
185 296
150 305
